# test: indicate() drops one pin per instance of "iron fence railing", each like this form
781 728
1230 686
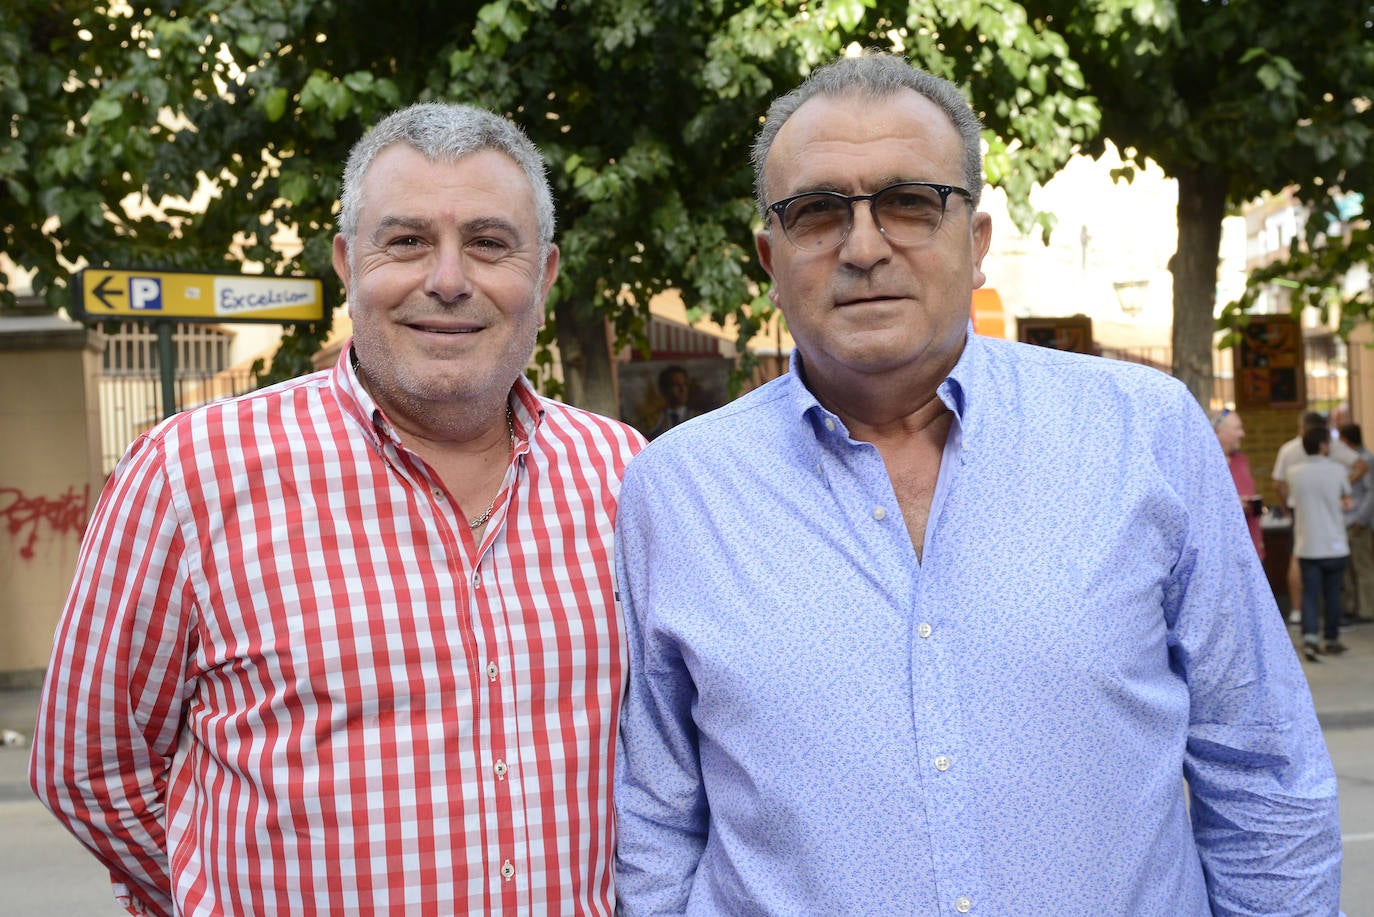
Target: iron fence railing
1327 383
131 403
1161 358
131 399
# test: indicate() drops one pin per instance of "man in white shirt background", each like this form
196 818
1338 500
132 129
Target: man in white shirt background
1319 491
1289 456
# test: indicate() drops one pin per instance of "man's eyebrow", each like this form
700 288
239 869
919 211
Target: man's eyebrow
477 226
837 188
388 224
489 224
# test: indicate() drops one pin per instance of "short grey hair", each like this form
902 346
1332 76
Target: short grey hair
875 74
446 133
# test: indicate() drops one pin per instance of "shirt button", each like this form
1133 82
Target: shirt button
942 763
963 905
879 513
500 768
830 425
923 630
507 870
438 493
492 671
477 579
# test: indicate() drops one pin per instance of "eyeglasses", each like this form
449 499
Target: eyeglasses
909 211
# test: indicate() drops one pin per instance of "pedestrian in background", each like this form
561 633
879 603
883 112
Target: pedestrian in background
1319 491
1358 602
1290 455
1230 432
348 644
937 623
675 386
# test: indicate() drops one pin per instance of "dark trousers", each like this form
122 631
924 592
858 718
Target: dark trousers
1321 584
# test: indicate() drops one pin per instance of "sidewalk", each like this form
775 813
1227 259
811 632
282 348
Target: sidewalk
44 872
1343 686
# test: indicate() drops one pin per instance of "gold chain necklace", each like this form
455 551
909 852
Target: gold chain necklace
482 519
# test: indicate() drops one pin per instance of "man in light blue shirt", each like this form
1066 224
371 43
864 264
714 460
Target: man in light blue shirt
937 624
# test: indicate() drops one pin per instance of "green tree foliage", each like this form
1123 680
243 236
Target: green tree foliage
1233 98
645 109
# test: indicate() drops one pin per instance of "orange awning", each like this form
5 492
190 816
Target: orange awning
988 316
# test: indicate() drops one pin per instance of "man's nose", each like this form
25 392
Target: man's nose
865 245
448 279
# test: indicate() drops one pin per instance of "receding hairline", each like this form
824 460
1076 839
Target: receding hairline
873 74
877 94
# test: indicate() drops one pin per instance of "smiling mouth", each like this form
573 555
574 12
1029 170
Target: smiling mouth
433 329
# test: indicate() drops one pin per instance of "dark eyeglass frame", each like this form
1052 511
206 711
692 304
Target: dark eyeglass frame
779 208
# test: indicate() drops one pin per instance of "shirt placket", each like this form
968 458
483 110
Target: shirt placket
945 763
861 485
503 797
489 670
499 764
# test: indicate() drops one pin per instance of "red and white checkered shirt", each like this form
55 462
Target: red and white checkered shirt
287 681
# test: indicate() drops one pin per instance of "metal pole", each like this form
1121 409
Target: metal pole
166 364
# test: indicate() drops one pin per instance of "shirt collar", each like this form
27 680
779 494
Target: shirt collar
969 373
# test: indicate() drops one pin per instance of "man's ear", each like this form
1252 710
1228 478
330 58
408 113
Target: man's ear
981 227
551 260
763 244
341 259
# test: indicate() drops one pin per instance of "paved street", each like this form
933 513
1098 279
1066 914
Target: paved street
43 870
45 873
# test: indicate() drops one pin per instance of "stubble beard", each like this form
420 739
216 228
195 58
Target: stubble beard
396 386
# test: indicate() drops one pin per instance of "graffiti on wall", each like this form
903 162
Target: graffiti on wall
23 516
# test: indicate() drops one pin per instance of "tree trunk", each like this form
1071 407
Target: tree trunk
1201 206
586 360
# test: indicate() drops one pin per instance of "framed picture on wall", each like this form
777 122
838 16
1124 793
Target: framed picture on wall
1269 364
1073 333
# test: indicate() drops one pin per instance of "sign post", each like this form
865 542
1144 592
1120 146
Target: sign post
166 297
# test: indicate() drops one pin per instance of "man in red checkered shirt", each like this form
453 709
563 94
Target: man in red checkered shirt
349 644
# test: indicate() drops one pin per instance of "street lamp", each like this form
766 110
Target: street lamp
1130 295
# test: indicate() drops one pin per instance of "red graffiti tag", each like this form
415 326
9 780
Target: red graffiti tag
22 515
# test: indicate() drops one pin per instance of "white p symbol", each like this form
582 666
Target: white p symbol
145 293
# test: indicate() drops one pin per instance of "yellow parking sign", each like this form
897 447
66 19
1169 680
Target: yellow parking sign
104 293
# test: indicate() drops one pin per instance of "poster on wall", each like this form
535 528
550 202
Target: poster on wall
658 394
1073 333
1269 364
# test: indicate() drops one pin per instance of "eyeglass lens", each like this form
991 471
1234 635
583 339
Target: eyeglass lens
905 213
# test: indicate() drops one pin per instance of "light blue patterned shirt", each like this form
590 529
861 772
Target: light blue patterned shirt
817 723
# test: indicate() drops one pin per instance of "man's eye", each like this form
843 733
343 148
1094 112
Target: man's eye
821 206
489 247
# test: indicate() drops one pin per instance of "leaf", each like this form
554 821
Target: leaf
274 104
105 110
295 187
249 44
848 13
360 81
